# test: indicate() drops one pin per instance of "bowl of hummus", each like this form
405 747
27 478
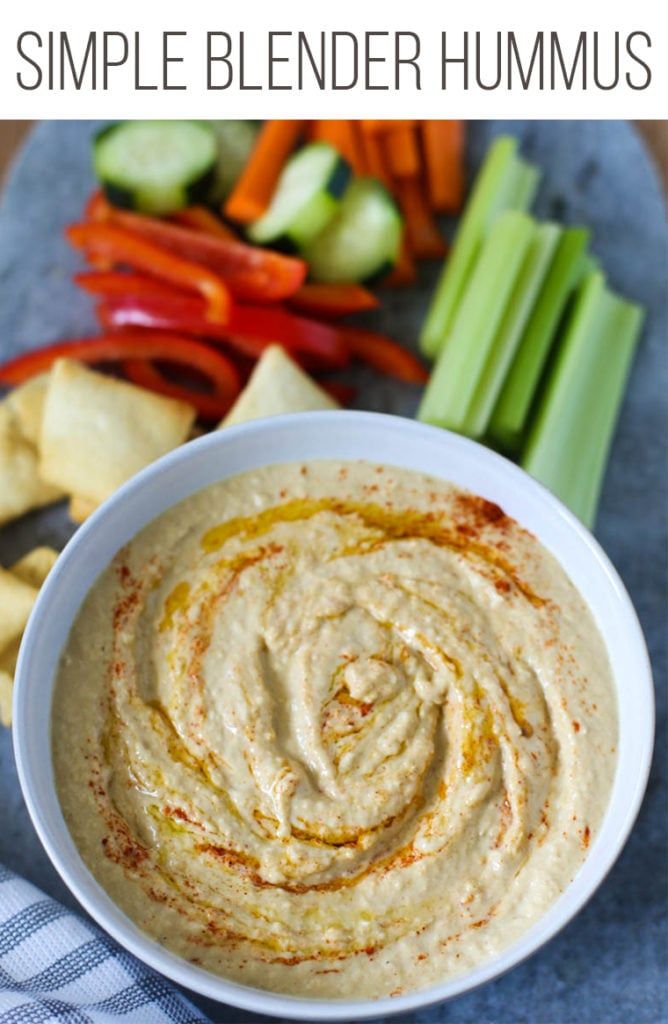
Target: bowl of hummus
333 715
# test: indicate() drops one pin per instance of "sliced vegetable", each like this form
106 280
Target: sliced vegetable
306 197
362 242
97 206
117 282
385 355
249 330
523 188
255 186
200 218
495 189
424 238
345 137
520 305
402 152
461 363
332 300
511 415
403 272
155 166
122 246
252 274
382 127
174 314
374 158
146 374
443 147
570 438
186 352
234 142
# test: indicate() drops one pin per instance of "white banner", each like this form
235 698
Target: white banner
357 58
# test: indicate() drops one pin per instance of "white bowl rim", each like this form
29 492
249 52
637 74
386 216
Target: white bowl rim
300 432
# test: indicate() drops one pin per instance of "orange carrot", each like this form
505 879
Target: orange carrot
424 237
374 157
443 146
403 272
202 219
342 135
252 193
402 151
381 127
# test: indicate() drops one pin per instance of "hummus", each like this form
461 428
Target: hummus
334 729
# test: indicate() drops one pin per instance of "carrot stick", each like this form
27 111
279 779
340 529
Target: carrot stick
252 193
202 219
374 157
403 273
424 238
381 127
403 153
341 135
443 146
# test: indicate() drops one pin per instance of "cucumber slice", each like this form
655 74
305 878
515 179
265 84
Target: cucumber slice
155 166
235 140
306 197
362 242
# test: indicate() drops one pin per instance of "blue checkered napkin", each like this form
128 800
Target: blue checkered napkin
54 966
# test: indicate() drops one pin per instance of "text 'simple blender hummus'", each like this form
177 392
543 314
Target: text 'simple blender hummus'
334 729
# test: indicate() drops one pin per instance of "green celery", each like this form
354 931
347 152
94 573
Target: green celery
511 415
524 186
455 377
495 189
570 439
520 305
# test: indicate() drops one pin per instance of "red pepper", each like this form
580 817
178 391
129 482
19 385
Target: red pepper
250 329
252 274
98 206
385 355
332 300
200 218
146 374
122 283
123 246
187 352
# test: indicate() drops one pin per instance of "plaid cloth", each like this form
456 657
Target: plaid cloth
54 966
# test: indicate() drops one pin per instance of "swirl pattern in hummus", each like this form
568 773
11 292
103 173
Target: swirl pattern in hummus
334 729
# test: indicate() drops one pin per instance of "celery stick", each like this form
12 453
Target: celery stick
534 269
510 417
462 359
570 439
491 193
525 186
609 383
588 264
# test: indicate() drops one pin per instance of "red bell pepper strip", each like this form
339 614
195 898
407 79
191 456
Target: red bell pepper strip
199 218
122 246
144 373
250 329
385 355
97 207
214 365
332 300
118 282
252 274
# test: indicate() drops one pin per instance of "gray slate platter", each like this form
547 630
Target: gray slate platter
609 964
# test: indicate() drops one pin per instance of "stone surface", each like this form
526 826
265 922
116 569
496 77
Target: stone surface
608 965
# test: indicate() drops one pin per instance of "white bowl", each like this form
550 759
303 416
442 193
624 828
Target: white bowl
334 435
